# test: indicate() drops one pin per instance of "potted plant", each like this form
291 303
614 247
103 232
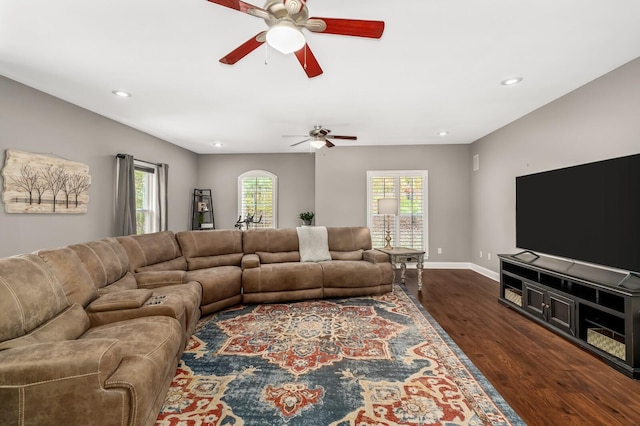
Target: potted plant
306 217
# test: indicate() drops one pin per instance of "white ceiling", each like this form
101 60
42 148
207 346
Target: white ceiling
438 66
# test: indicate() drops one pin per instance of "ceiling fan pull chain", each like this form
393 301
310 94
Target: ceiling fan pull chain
266 54
305 56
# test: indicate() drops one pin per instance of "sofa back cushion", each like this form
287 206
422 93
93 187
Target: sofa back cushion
30 295
158 251
270 240
206 249
278 257
68 325
107 264
71 274
349 239
347 255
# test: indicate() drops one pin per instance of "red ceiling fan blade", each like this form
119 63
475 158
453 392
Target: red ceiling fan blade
244 49
351 138
350 27
242 7
329 144
308 62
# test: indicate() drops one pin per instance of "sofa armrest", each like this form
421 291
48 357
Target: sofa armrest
250 261
67 359
119 300
154 279
375 256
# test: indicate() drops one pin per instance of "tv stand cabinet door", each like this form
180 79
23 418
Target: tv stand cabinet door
535 300
561 312
554 308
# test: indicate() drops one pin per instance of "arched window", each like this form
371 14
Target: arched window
258 197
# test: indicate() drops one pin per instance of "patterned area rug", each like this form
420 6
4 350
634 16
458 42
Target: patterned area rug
380 360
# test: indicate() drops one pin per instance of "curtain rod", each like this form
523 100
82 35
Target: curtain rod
137 159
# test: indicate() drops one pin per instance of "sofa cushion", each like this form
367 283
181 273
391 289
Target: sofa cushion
218 283
347 255
158 251
106 261
349 238
30 295
127 282
275 277
278 257
354 274
153 279
69 325
206 249
177 264
204 262
71 273
270 240
118 300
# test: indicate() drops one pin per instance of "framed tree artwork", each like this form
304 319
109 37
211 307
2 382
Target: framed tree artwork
37 183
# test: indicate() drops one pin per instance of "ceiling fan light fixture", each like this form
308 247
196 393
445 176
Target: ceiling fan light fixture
285 37
318 143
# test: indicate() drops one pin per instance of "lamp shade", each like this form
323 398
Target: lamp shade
285 37
387 206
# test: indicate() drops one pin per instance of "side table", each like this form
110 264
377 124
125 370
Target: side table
402 255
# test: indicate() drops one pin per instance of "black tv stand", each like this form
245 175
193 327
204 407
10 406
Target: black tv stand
535 256
629 282
595 308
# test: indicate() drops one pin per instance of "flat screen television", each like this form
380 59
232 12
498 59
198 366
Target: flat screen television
588 213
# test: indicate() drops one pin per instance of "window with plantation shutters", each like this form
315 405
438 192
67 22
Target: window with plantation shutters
257 197
409 225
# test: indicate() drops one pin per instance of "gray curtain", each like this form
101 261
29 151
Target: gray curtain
125 195
163 199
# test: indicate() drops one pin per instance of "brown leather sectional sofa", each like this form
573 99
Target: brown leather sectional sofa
93 332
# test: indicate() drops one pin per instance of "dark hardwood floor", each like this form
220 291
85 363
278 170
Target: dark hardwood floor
546 379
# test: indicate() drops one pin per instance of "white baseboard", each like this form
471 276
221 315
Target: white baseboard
459 265
486 272
447 265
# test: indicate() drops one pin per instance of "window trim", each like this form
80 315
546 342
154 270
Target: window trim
263 174
153 211
425 199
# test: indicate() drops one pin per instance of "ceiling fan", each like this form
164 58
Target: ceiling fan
319 137
286 19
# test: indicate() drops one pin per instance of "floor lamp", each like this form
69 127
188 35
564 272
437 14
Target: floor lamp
387 206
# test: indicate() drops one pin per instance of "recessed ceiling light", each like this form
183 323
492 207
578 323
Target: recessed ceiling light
121 93
217 144
511 81
443 133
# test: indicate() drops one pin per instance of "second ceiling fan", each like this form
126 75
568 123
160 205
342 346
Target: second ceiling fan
286 19
319 137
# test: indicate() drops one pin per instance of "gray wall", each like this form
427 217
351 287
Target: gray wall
597 121
219 172
35 122
341 190
469 211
